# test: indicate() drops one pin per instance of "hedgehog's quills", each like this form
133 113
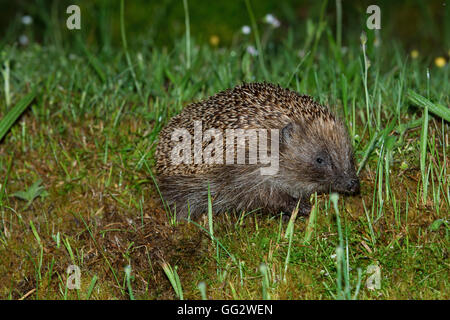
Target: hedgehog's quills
315 154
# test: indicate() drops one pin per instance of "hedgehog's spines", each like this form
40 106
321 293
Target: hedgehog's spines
248 105
256 106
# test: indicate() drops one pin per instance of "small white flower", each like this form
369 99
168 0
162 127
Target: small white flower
333 256
252 51
272 20
246 29
27 20
324 273
23 40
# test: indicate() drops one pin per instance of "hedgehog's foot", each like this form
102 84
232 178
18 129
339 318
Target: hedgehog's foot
289 209
304 208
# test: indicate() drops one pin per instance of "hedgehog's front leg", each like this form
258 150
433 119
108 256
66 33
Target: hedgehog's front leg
304 207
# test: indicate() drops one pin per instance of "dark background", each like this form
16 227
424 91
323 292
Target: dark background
423 25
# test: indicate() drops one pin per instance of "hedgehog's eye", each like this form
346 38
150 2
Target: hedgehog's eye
321 160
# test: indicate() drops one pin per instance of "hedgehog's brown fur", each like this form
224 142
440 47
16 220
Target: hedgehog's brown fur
308 131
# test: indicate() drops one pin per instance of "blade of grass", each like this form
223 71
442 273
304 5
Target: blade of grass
210 216
423 153
93 61
6 72
35 233
188 35
202 288
91 287
125 49
435 108
174 279
311 223
265 281
257 39
128 279
371 146
7 122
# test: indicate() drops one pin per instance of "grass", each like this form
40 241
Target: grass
90 132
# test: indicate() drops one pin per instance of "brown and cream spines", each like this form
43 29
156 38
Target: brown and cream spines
313 150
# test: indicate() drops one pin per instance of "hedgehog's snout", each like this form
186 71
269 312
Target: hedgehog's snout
353 186
347 185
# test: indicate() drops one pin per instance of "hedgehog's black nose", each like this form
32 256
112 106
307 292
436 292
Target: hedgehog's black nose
353 186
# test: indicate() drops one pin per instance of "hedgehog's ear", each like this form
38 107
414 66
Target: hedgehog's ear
286 133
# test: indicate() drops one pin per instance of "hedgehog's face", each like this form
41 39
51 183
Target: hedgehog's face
318 157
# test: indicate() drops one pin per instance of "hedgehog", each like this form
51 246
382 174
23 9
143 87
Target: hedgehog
310 148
